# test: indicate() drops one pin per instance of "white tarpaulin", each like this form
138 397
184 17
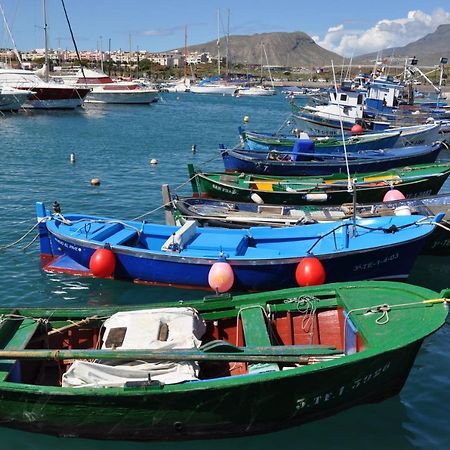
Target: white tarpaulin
161 328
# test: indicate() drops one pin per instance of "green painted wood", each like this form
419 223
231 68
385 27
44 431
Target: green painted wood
256 333
24 332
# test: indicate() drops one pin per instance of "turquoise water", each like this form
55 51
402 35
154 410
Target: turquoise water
116 144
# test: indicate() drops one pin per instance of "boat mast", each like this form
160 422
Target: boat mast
185 54
16 52
218 42
44 14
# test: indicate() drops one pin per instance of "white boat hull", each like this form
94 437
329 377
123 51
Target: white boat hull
122 97
217 89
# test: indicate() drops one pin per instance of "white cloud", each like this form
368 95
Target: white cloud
386 33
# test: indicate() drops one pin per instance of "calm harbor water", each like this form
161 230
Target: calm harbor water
116 144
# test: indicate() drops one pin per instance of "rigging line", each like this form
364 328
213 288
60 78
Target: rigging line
153 210
73 38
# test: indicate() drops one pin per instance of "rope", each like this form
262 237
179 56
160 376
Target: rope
12 244
306 304
153 210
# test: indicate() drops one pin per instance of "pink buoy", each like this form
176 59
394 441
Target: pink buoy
310 272
221 276
102 263
393 194
357 129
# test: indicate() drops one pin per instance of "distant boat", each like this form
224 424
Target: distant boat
413 181
260 258
214 86
104 90
303 160
211 368
255 91
12 99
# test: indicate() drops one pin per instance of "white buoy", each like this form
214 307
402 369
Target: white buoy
72 158
256 198
316 197
246 119
153 162
95 182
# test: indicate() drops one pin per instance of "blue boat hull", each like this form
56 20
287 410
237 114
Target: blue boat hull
327 164
383 248
391 262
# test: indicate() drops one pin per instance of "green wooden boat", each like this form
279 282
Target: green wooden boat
413 181
232 366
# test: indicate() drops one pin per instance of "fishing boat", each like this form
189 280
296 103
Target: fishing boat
211 368
392 137
305 160
228 214
255 259
413 181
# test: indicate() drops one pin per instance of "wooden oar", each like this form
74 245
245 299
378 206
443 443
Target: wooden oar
280 354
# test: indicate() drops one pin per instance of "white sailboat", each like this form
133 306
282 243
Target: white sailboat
258 90
215 85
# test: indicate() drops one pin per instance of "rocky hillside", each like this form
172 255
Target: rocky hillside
283 49
428 50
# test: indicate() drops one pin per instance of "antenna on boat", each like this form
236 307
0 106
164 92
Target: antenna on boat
350 183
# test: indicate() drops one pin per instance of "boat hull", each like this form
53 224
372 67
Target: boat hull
387 256
223 408
55 97
122 97
327 164
334 196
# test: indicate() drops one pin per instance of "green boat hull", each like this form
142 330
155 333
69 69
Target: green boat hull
427 180
244 404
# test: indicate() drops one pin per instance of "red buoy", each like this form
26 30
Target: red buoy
102 263
221 276
393 194
310 272
357 129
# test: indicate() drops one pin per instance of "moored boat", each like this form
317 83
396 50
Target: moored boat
413 181
230 367
391 137
305 160
258 258
228 214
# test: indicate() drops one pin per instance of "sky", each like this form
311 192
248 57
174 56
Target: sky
348 28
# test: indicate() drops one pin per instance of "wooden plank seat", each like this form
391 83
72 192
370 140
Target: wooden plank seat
256 335
24 331
121 237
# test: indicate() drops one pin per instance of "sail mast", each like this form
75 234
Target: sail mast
185 53
44 14
218 42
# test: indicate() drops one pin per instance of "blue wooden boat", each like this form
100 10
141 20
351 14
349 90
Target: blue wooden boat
298 162
260 258
409 135
229 214
254 140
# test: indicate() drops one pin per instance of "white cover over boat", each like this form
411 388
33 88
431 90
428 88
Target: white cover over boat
142 330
